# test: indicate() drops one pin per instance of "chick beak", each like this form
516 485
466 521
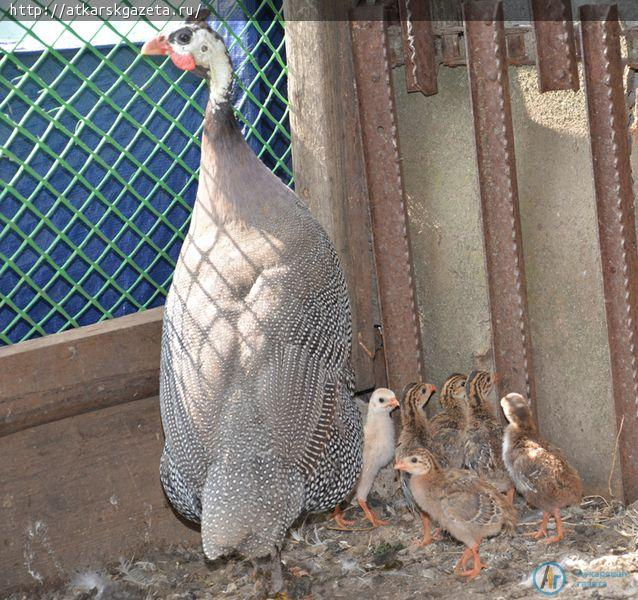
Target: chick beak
400 466
158 46
394 403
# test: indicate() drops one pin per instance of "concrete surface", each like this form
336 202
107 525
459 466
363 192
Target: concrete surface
569 339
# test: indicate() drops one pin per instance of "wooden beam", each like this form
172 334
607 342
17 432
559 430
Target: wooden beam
328 156
85 369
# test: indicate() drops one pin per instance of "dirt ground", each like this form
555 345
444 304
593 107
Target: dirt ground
599 556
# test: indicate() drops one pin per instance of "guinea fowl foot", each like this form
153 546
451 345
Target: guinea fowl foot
477 566
560 532
542 531
339 518
376 522
428 537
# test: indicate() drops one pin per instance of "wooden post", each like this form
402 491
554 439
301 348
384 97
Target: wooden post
327 155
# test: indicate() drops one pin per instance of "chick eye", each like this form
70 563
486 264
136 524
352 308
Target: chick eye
184 37
413 460
381 400
204 48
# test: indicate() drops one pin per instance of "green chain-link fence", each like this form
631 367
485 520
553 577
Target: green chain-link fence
100 154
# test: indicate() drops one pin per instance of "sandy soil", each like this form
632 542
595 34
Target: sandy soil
323 562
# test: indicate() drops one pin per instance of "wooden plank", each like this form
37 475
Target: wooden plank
76 371
83 492
328 156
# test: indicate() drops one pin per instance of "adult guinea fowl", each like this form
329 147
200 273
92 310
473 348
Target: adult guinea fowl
256 386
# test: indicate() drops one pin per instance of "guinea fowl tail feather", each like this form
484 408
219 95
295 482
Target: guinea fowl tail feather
248 504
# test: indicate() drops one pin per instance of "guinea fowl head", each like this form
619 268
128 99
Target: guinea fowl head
418 462
382 400
194 46
478 386
453 390
420 395
517 411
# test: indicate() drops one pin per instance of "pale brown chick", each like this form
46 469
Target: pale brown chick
447 426
469 508
483 434
416 432
538 469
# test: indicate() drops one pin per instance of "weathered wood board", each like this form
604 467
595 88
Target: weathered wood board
83 491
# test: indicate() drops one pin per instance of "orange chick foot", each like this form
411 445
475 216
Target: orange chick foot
376 522
339 518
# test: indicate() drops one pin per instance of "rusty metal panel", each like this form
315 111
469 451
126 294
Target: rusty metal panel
418 46
401 332
555 45
600 33
489 86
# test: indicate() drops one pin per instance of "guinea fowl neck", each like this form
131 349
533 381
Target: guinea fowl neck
229 170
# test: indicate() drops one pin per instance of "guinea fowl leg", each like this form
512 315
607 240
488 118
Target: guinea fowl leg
542 532
277 580
560 532
338 516
478 565
510 495
463 560
376 522
428 537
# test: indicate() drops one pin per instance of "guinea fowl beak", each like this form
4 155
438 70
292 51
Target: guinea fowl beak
158 46
400 466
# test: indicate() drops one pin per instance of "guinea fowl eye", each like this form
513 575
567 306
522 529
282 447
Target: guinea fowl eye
413 459
184 37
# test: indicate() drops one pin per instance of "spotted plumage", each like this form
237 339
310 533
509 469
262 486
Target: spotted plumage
256 388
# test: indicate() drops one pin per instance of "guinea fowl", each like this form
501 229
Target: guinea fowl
416 432
448 425
539 470
483 434
378 446
256 385
465 505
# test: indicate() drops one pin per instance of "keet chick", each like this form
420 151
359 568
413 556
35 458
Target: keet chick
538 469
466 506
448 425
416 432
483 434
378 446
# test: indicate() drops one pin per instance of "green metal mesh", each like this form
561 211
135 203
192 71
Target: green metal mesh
57 275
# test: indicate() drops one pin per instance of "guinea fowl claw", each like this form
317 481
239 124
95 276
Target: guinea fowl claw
376 522
340 520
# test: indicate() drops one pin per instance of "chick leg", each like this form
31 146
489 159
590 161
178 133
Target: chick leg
376 522
467 553
337 515
542 532
560 532
428 537
478 565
